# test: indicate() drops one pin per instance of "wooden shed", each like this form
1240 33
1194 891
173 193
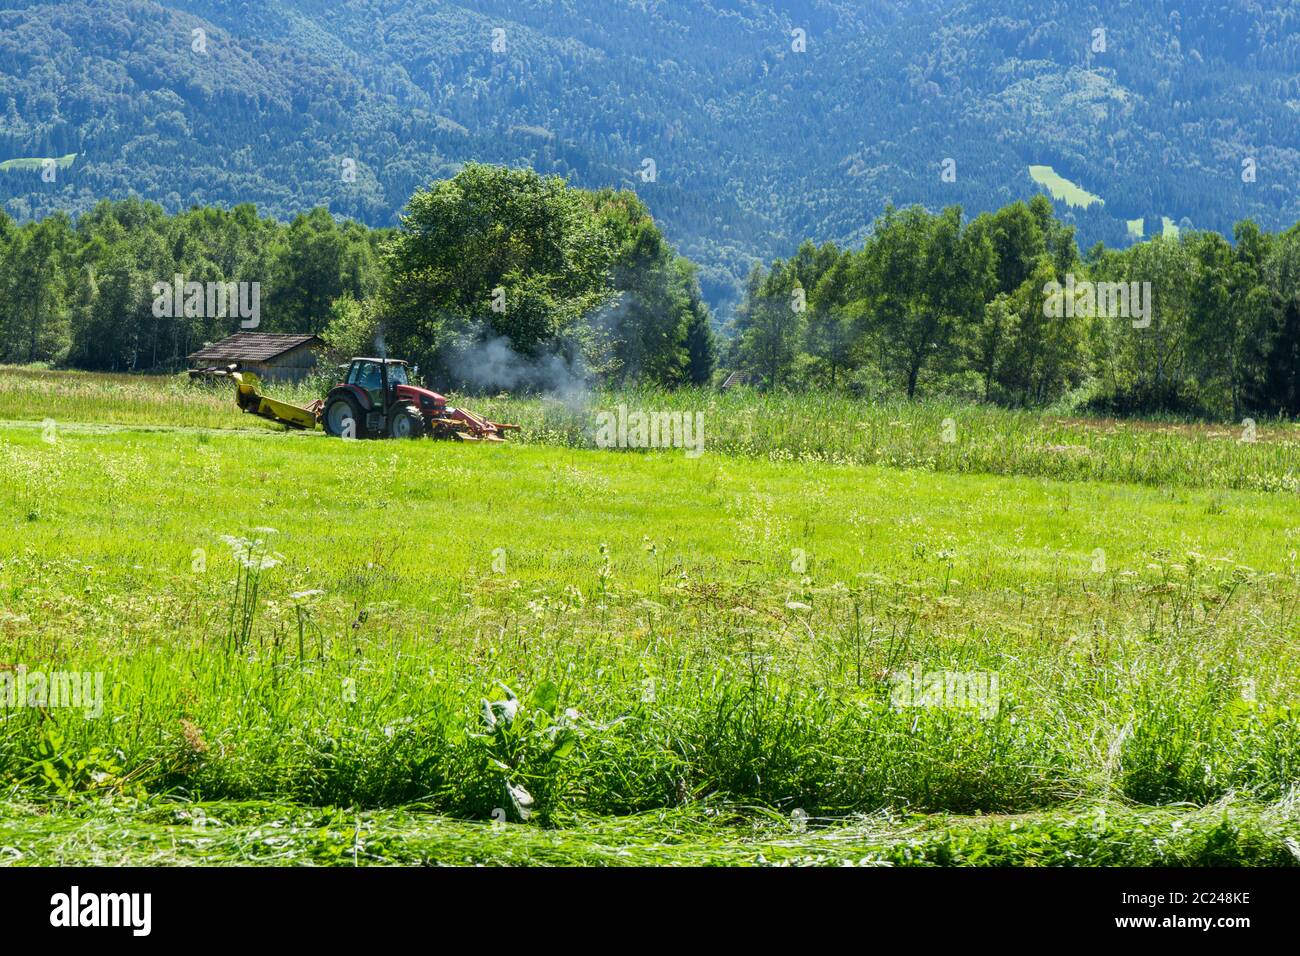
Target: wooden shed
272 356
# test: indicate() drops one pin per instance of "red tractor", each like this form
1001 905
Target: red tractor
377 400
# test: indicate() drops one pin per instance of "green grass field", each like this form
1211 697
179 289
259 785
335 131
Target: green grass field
1061 188
317 651
1168 228
1072 194
36 164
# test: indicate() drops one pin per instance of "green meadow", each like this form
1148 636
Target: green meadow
846 633
1061 188
35 164
1072 194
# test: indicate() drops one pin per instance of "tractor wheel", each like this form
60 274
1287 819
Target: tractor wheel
406 423
339 413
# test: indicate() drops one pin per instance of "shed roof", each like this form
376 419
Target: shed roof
253 347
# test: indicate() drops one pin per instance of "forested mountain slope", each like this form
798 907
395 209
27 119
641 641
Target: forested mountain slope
758 141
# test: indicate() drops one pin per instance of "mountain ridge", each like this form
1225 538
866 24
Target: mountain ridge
756 144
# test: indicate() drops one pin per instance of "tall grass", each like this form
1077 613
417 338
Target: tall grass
940 436
805 427
549 633
660 649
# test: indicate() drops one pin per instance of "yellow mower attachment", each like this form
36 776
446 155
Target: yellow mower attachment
253 403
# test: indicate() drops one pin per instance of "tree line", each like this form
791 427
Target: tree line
1004 308
499 270
491 255
82 293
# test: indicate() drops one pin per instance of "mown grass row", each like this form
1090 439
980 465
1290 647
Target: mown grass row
162 832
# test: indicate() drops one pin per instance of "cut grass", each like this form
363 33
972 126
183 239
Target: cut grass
162 833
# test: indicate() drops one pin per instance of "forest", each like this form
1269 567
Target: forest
934 303
572 284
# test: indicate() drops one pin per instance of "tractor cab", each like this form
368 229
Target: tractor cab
378 378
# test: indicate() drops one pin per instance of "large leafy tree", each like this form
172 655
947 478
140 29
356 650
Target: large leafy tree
1043 353
1215 322
506 255
493 252
1281 385
928 278
770 324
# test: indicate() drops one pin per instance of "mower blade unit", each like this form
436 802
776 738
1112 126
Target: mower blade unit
466 426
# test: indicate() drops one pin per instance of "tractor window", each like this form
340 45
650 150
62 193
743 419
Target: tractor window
367 375
397 375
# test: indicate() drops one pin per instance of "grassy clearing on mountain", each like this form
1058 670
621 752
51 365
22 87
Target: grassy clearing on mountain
1061 188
